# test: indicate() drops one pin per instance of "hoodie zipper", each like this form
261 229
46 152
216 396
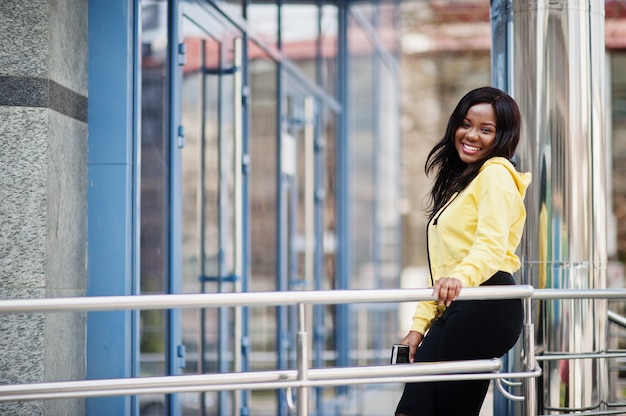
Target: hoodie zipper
434 223
436 218
430 268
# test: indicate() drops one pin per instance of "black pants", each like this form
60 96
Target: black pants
467 330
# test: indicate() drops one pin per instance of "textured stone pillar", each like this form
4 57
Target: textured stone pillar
43 187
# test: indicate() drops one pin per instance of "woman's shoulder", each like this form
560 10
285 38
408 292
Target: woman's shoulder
496 168
500 172
499 163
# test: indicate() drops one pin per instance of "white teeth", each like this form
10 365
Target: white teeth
471 148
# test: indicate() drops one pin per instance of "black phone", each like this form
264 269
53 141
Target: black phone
399 354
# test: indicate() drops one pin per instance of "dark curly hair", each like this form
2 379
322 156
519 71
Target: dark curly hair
451 173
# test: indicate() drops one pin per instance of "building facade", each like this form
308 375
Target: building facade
158 147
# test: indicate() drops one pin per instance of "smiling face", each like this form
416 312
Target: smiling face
477 133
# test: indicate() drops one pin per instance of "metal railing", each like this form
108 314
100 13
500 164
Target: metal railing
303 377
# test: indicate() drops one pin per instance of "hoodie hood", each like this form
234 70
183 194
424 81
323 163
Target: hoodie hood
522 179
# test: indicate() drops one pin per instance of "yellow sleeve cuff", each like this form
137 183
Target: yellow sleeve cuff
425 314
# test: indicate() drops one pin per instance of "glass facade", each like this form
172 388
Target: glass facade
269 161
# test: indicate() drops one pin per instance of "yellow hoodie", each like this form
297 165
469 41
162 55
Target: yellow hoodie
477 232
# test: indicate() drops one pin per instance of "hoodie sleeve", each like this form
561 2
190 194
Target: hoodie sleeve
424 315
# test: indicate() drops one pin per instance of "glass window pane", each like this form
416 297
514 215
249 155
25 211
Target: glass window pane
263 22
263 164
154 184
299 35
329 131
387 24
361 139
365 9
387 194
618 109
201 89
234 7
263 167
328 48
329 243
207 184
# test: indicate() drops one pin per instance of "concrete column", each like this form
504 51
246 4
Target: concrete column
43 188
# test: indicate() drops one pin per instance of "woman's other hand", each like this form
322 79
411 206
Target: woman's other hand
447 289
412 339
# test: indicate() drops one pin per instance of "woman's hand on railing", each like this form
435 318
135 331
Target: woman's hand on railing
413 340
447 289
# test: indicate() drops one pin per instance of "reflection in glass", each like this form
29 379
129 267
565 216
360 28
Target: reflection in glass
387 191
618 133
328 48
366 9
207 192
207 101
387 22
154 183
361 154
388 225
263 22
329 132
374 191
299 35
263 193
234 7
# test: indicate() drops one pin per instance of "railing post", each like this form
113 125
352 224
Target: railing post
302 358
529 360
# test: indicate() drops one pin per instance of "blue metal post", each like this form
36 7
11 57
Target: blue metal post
319 331
344 257
136 325
112 128
223 230
245 166
282 341
174 93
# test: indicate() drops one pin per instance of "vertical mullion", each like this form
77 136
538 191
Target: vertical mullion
136 244
281 232
238 208
318 262
376 147
174 265
202 217
222 196
342 328
245 226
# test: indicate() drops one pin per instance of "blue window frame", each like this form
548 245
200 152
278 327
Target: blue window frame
111 197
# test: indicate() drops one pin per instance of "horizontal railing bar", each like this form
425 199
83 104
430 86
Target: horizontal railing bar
203 300
590 412
575 356
257 376
595 413
617 318
459 370
263 386
546 294
616 404
278 379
